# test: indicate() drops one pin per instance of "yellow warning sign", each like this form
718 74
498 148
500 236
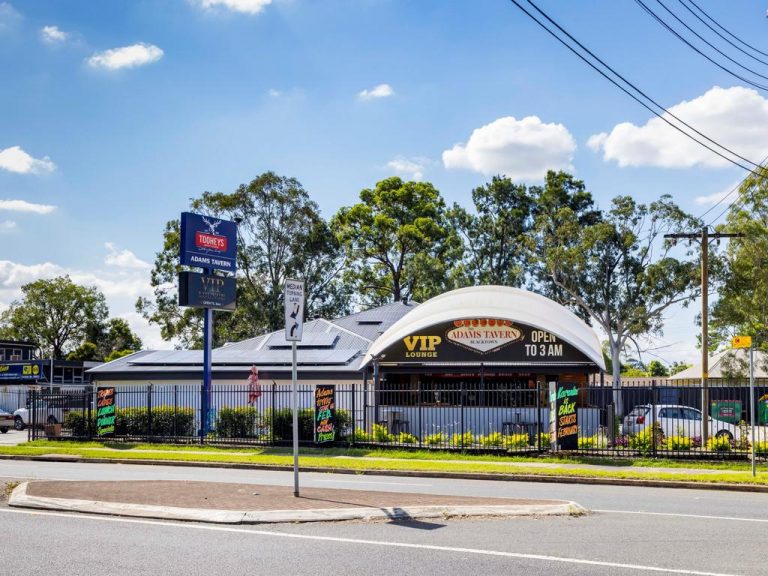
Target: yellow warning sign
741 341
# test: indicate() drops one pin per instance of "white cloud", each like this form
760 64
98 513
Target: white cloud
243 6
24 206
121 287
411 167
520 149
52 34
736 117
8 16
717 196
275 93
7 226
126 57
380 91
14 159
123 258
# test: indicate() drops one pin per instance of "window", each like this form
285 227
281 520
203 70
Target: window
669 413
691 414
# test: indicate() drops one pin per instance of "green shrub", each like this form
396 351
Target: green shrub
544 438
437 439
170 421
593 442
238 422
462 440
644 440
281 422
405 438
379 433
515 441
679 443
492 440
359 435
77 423
761 448
719 444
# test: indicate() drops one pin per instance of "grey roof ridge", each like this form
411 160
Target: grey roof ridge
350 332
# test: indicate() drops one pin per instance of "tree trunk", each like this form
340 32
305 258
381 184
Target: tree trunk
616 384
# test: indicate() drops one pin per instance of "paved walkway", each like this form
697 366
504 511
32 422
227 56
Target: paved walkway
249 503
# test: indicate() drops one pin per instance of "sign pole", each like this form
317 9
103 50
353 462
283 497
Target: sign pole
295 424
206 390
293 297
752 405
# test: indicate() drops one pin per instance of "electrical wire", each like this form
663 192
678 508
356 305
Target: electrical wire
626 91
739 48
734 189
707 42
695 49
731 34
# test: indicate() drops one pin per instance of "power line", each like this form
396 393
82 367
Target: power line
732 35
694 48
707 42
724 198
626 91
739 48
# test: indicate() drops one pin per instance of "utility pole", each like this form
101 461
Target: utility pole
704 237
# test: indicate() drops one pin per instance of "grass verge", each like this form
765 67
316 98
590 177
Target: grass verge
359 459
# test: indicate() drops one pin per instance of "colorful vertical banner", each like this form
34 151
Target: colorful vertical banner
325 413
105 412
567 416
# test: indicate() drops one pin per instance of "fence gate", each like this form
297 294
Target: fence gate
66 412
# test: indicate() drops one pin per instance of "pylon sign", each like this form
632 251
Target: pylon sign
741 341
294 310
208 242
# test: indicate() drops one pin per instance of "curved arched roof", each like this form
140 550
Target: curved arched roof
496 302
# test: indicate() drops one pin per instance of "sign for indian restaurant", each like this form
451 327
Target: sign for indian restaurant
483 340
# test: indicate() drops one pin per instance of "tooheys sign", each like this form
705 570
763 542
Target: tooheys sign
483 340
208 242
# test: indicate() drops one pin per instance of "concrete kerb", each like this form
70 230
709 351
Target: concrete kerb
19 498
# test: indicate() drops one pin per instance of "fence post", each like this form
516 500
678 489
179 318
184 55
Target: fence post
272 414
89 403
149 410
538 414
653 416
354 414
175 409
420 400
463 398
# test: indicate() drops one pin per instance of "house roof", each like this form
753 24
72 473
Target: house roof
728 364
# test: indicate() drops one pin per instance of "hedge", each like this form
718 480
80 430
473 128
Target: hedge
166 421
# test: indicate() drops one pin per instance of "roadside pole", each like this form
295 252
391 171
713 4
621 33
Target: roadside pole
746 342
752 405
293 296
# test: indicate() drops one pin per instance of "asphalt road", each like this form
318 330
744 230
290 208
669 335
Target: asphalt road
632 531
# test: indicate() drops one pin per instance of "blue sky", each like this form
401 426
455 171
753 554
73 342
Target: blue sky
116 113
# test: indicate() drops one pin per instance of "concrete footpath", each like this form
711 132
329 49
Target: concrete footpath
255 504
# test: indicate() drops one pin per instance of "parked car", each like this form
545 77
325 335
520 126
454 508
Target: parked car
6 421
677 420
45 413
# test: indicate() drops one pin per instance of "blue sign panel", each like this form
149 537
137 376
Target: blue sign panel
208 242
22 371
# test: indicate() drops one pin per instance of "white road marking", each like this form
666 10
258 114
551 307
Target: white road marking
678 515
371 482
478 551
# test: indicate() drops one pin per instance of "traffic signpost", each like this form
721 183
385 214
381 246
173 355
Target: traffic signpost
746 342
293 297
211 244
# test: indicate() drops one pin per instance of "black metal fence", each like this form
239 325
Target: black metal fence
648 421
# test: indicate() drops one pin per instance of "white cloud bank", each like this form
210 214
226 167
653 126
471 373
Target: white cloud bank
120 284
243 6
14 159
52 35
123 258
126 57
411 167
736 117
520 149
24 206
380 91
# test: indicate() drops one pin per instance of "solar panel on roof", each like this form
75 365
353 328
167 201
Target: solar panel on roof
309 340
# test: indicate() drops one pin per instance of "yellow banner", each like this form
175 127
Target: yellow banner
741 341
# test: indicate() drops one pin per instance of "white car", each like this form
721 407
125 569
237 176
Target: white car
677 421
6 421
45 413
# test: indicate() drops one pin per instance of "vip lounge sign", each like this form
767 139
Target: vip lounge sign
484 335
207 291
208 242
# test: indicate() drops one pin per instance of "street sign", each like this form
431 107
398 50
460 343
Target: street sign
207 291
294 310
208 242
741 341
